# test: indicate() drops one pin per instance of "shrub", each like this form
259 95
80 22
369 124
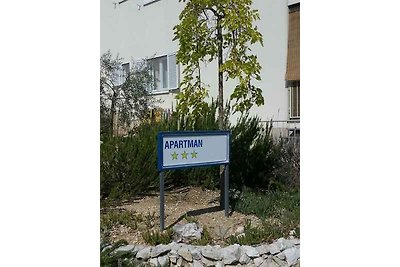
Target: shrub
206 177
191 219
287 176
268 204
250 236
108 257
116 217
128 165
280 212
156 237
255 156
204 240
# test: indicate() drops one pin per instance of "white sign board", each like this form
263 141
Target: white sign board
190 149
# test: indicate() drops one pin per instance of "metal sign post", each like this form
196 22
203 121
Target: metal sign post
161 201
177 150
226 190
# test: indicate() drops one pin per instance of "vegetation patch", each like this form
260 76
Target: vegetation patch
108 257
280 212
205 239
128 165
156 237
258 217
113 218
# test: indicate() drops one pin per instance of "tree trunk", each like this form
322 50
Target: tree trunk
220 109
113 114
220 81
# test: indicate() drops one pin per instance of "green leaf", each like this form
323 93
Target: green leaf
199 42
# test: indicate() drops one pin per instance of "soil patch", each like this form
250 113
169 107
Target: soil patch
202 205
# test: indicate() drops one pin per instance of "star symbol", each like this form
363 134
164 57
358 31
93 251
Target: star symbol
194 154
184 155
174 155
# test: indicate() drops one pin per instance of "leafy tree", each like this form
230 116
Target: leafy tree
123 92
222 30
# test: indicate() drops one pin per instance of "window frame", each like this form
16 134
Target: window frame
123 74
149 2
295 85
168 88
120 73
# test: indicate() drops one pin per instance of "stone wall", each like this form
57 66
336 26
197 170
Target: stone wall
282 252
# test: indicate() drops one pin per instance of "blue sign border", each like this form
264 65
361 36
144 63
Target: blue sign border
161 135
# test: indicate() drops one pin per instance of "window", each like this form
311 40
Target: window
125 71
293 61
294 91
121 74
165 72
293 51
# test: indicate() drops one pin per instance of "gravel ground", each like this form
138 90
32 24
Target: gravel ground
201 203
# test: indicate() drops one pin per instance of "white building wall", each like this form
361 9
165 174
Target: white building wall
136 31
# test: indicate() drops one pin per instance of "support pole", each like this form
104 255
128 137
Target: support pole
226 190
161 201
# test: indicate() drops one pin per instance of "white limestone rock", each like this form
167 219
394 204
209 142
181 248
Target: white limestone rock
126 248
213 253
258 261
274 248
262 249
281 256
291 243
179 262
197 263
159 250
154 262
144 254
231 254
244 259
185 254
279 262
207 262
292 255
173 257
137 249
106 247
186 232
269 263
183 263
281 243
163 261
175 246
250 251
195 251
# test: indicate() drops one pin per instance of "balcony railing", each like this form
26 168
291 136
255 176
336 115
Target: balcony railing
289 130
